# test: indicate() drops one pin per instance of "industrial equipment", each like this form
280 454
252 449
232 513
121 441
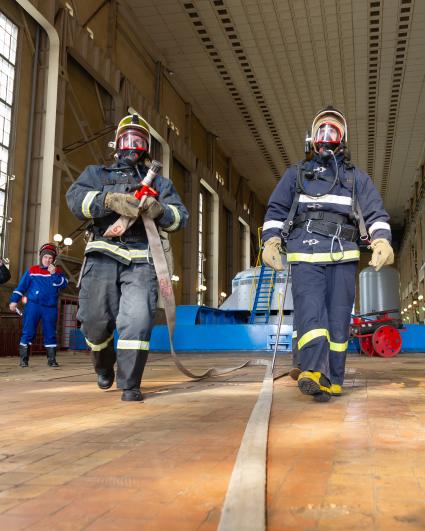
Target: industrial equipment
378 333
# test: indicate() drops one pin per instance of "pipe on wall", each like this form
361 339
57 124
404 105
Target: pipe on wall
48 142
28 161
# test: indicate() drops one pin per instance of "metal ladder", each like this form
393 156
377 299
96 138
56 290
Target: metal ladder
263 296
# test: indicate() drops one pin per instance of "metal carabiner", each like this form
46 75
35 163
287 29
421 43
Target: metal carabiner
307 227
341 247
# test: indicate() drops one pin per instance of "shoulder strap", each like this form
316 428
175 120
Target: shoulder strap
289 221
357 211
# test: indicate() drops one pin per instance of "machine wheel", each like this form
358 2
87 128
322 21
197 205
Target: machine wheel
386 341
366 345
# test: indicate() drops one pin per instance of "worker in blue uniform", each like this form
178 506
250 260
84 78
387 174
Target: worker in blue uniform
316 215
40 285
118 280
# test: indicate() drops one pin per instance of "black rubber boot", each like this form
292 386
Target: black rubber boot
51 357
23 355
105 381
132 395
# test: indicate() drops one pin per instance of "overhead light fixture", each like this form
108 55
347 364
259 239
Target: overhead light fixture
415 302
58 238
202 288
175 278
223 294
67 241
420 297
409 306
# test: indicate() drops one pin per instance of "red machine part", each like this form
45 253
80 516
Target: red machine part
377 333
386 341
366 345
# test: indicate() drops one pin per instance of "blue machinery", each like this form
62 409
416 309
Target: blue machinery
247 320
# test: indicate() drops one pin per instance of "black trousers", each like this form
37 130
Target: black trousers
123 297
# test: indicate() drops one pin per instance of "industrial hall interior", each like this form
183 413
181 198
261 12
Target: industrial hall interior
212 268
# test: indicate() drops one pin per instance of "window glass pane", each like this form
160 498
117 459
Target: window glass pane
8 41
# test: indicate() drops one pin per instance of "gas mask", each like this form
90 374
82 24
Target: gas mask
327 139
132 146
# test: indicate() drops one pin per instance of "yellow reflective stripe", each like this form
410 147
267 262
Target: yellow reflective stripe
338 347
115 249
100 346
312 334
322 257
139 253
294 334
88 200
177 219
105 246
135 344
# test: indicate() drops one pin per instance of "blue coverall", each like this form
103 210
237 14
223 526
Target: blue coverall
42 291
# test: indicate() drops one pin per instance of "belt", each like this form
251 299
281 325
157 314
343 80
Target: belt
329 229
125 238
322 215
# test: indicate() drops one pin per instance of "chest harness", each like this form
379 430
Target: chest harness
336 226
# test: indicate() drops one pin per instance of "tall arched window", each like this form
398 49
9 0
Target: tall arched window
8 41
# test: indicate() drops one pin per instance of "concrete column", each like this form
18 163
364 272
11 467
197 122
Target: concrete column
191 239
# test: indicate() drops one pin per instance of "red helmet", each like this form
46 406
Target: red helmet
48 248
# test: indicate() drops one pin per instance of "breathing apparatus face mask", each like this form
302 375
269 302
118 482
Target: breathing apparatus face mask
327 139
132 147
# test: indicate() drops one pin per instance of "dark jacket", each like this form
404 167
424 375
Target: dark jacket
86 198
305 246
4 274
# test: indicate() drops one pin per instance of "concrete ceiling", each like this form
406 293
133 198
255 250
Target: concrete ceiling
256 71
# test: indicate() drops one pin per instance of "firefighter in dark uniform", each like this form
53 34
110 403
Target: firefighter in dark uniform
318 209
118 281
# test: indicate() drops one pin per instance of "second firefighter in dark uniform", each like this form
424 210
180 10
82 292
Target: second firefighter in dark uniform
118 283
317 208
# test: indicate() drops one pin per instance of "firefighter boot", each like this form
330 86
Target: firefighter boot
316 384
23 355
51 357
105 381
132 395
336 390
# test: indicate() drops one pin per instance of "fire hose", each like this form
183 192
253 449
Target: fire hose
245 502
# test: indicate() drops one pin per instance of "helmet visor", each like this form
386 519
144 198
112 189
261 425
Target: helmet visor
328 133
132 139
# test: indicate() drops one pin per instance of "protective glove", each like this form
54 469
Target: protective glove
383 253
272 253
123 204
151 207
